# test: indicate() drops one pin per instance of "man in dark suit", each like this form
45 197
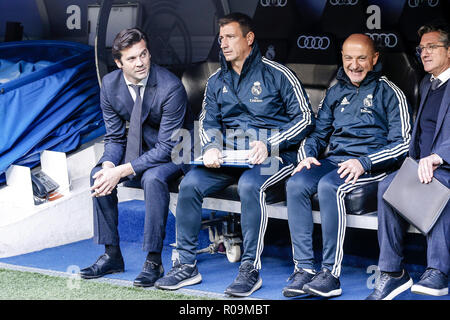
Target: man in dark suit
154 101
431 147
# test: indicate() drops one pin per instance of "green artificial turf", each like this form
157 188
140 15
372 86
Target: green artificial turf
19 285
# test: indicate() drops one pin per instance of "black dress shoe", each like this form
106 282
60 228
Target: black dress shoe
103 266
150 273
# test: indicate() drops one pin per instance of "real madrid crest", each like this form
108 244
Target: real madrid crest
368 101
256 89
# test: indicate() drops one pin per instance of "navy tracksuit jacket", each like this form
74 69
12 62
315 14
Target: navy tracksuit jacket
370 123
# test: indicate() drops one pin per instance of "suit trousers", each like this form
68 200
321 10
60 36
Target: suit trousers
155 182
392 230
201 182
331 190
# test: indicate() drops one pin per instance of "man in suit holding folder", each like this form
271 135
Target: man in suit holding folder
430 145
154 101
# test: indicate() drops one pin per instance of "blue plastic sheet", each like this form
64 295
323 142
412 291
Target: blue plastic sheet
49 100
10 71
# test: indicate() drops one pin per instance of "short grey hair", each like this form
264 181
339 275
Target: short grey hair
441 28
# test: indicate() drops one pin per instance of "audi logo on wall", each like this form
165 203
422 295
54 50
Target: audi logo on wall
416 3
313 42
343 2
386 39
273 3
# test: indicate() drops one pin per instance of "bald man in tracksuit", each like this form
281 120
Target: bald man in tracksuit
365 121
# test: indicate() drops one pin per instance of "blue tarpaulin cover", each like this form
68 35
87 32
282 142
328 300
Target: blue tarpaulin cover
49 100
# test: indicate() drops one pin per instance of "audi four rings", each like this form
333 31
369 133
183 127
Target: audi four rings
343 2
313 42
273 3
388 39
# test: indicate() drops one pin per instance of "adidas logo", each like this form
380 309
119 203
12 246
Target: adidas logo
344 101
224 89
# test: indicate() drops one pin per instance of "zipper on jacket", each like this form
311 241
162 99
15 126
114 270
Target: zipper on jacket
236 95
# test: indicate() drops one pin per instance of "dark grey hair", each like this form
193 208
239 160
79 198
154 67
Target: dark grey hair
441 28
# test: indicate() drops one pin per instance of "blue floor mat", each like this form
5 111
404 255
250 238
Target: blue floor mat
216 271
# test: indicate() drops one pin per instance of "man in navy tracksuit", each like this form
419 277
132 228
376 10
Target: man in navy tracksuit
365 121
250 103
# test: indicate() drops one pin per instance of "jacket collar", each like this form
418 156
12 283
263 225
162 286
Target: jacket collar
253 58
444 76
152 76
370 77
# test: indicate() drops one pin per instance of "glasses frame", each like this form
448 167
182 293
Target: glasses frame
429 48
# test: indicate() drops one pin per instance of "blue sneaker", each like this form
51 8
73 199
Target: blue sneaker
247 281
324 284
388 287
433 282
299 278
180 275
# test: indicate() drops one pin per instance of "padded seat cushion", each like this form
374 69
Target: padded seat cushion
273 194
360 201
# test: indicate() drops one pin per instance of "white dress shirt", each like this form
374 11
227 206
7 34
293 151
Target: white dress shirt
443 77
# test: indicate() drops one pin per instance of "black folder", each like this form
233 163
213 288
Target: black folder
419 203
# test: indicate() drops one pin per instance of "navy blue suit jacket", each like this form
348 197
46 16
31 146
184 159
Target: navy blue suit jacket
164 110
441 140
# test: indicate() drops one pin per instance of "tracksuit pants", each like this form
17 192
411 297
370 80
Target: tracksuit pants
331 190
155 182
201 182
391 233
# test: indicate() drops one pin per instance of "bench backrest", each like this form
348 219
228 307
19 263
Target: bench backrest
316 78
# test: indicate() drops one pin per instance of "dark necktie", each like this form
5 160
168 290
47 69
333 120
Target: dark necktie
134 139
435 83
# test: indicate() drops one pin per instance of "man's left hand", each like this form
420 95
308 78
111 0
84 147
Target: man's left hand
427 166
258 152
352 168
107 179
